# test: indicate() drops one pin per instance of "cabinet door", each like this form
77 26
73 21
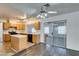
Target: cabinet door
6 26
6 37
37 25
35 38
21 26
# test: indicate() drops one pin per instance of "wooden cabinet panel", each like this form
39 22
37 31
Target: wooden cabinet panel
37 25
14 43
35 38
6 26
20 26
6 37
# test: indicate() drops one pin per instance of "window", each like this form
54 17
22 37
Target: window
46 30
33 30
61 30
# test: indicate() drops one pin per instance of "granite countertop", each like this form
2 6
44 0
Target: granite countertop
18 35
22 32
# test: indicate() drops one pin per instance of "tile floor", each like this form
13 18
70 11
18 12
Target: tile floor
43 50
5 48
37 50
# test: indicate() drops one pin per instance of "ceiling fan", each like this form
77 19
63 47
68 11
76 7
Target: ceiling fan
44 11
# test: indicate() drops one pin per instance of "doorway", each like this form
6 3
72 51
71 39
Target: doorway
56 33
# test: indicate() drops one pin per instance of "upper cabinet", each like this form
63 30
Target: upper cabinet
6 25
37 25
20 26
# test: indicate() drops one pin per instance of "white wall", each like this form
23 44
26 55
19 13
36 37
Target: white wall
42 32
1 32
72 28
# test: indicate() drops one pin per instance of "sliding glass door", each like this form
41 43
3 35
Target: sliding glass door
57 33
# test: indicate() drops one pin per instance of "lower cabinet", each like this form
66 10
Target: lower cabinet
6 37
35 38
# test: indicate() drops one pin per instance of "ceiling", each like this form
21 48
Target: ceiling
33 9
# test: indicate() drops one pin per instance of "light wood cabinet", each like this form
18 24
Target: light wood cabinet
37 25
20 26
6 37
6 26
35 38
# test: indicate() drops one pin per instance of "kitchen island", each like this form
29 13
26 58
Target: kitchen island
18 42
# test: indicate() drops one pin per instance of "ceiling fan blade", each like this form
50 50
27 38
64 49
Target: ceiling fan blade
52 12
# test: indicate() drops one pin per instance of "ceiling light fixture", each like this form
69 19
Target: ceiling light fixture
44 12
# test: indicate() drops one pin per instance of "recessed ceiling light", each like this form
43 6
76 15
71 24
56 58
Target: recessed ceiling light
51 12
